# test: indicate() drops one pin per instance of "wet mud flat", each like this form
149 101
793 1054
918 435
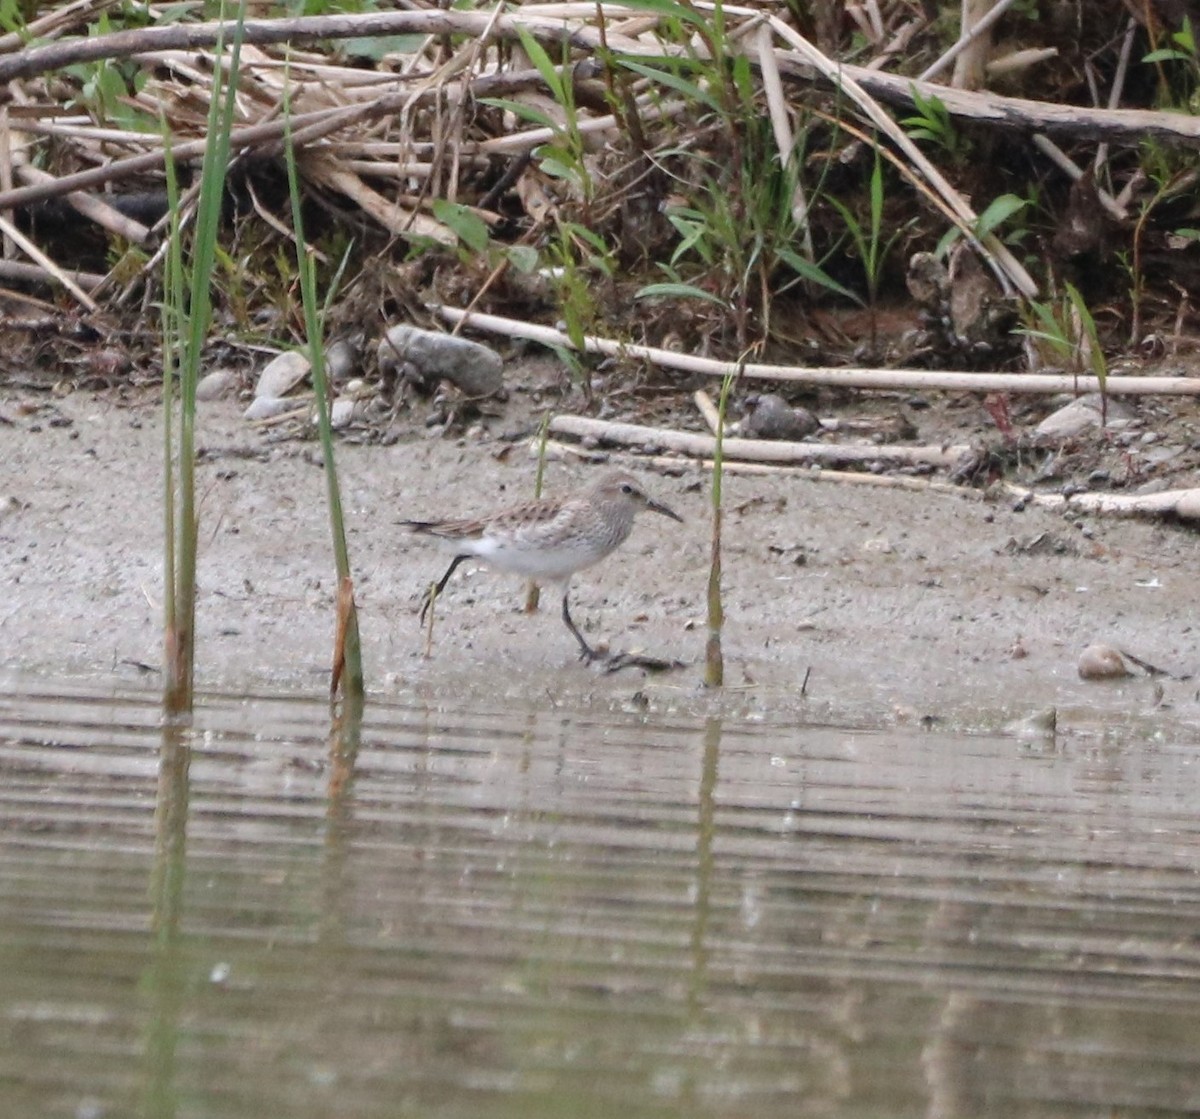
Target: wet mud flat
894 604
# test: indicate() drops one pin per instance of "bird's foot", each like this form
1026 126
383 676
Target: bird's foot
614 662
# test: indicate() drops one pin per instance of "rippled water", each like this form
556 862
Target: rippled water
523 911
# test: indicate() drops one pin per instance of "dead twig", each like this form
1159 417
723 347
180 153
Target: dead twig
751 450
859 378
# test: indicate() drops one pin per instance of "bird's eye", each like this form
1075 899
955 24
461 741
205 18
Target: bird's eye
626 488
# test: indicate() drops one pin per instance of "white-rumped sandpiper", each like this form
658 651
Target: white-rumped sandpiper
548 540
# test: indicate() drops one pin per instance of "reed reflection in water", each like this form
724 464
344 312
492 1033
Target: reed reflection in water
526 911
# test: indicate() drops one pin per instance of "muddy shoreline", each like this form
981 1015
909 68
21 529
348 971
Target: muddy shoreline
898 605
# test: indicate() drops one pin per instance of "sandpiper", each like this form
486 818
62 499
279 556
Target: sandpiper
548 540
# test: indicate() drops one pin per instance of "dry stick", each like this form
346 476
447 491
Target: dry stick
309 127
1008 111
708 410
46 264
973 33
855 378
752 450
572 453
1016 61
1118 86
301 29
6 171
387 212
970 65
92 208
31 273
898 42
996 255
1074 172
1126 125
272 131
1184 504
785 141
836 477
53 23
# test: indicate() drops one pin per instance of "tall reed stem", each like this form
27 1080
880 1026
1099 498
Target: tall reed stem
347 657
714 658
185 330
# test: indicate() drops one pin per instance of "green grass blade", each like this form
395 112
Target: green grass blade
352 678
179 677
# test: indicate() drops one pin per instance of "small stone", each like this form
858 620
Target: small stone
341 359
772 417
282 374
265 407
1038 724
1102 662
10 505
341 413
1079 416
215 385
475 369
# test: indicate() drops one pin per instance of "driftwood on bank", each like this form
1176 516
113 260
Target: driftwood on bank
554 449
657 439
1184 504
904 380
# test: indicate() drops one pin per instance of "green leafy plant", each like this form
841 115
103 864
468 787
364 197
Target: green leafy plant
105 88
563 157
471 230
1069 329
998 211
475 239
577 255
868 240
13 16
1182 49
738 229
741 231
107 85
1173 175
933 123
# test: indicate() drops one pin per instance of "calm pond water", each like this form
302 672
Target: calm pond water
528 911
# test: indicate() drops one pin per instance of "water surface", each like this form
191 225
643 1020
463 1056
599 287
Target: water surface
507 909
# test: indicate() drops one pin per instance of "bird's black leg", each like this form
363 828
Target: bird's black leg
433 592
587 653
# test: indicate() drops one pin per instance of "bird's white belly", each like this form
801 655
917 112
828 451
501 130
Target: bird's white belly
535 561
